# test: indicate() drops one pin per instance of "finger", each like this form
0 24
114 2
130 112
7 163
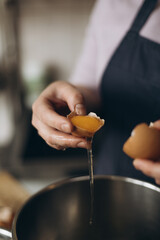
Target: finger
65 141
59 140
45 113
71 95
148 167
74 99
57 147
157 180
156 124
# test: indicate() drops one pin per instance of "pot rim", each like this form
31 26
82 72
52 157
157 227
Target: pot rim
59 183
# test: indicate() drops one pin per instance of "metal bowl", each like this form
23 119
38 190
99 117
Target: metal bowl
123 209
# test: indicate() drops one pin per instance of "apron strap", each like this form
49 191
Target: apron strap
143 14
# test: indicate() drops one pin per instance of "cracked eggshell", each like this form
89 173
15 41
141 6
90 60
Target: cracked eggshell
144 142
82 129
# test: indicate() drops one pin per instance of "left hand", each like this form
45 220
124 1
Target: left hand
149 167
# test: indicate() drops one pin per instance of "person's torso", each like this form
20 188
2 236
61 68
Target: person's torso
130 92
112 21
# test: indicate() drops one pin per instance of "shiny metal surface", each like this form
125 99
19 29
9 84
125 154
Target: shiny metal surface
5 234
123 209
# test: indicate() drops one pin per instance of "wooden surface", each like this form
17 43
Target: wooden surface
12 197
12 194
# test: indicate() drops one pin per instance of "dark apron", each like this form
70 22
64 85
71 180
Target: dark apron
130 91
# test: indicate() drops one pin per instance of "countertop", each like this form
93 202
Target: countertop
35 185
15 192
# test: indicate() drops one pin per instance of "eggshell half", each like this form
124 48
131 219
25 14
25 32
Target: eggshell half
144 142
85 126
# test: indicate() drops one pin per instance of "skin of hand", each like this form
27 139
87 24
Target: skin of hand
49 115
149 167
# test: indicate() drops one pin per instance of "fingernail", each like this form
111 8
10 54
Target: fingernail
137 163
65 128
81 145
80 109
156 124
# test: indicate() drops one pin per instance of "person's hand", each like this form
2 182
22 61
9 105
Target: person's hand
149 167
49 115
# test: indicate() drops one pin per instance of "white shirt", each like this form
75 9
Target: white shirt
109 22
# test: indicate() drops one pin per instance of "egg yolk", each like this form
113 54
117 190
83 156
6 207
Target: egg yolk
88 123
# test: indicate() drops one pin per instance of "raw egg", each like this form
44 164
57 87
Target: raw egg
85 126
144 142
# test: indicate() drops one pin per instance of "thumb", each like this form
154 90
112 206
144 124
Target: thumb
74 98
156 124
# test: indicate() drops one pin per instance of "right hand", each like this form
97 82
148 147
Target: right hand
48 116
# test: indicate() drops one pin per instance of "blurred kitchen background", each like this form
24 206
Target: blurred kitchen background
40 41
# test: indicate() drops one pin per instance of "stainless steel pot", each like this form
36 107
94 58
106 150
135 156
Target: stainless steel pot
123 209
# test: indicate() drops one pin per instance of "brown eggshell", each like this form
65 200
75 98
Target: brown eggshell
78 132
144 142
81 132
